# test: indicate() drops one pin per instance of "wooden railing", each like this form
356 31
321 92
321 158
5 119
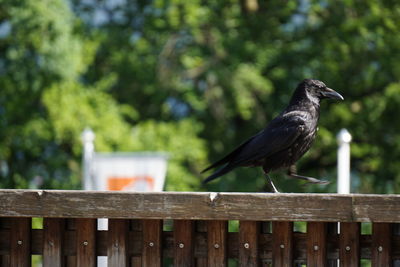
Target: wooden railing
198 229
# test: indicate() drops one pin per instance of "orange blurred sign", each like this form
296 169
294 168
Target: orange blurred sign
139 183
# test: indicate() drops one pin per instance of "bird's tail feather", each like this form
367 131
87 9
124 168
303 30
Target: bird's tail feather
218 173
216 164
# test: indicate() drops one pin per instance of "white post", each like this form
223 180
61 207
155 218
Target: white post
343 159
88 137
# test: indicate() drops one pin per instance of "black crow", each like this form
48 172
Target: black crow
285 139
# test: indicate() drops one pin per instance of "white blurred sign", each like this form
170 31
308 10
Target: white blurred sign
133 171
144 172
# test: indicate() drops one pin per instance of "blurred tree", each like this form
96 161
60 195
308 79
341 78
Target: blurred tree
45 103
232 66
37 48
196 78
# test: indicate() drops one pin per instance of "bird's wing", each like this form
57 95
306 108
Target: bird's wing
230 156
280 134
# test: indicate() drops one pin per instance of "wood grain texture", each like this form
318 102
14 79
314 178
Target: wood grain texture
53 237
217 234
349 244
282 244
152 242
135 241
200 206
86 242
249 232
184 243
117 247
316 244
20 242
381 247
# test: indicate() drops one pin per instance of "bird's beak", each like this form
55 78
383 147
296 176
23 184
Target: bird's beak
330 93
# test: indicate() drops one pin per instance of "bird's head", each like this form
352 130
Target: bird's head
317 89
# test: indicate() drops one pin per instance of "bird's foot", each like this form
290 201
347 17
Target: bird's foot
310 180
271 184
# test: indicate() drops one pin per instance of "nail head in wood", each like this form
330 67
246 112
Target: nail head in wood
85 243
181 245
348 248
151 244
316 248
216 245
380 248
246 245
19 242
282 246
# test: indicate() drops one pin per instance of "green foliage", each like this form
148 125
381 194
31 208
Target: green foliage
194 79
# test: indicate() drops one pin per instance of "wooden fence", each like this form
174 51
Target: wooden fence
199 229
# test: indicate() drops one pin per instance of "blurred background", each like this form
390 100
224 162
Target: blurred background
194 79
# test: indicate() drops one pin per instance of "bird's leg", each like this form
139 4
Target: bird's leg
271 184
311 180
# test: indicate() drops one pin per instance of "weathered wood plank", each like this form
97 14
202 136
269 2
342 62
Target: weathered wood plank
249 232
200 244
316 244
349 244
20 254
282 244
53 233
217 234
117 252
152 242
184 243
200 206
381 247
177 205
376 208
86 242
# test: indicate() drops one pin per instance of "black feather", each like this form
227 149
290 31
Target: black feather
286 138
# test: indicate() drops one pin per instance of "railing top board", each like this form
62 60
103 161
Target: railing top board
200 206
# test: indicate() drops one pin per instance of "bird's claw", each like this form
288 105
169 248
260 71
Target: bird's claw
321 182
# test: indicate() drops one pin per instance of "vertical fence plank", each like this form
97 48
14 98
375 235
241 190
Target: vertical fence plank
183 243
217 233
248 243
381 248
152 246
86 242
282 244
117 245
20 254
349 244
53 235
316 244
